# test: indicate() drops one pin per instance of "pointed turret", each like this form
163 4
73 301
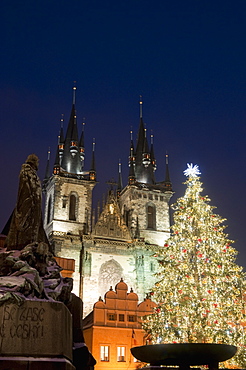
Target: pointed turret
57 166
152 154
120 183
71 157
167 182
132 153
92 172
47 170
146 154
131 176
61 140
82 147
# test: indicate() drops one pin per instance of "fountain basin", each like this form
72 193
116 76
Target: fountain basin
184 353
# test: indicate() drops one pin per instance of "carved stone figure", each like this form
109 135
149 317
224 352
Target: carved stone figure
26 224
28 269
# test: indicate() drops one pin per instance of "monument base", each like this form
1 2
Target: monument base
35 363
36 335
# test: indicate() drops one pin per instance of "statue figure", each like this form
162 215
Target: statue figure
28 269
26 224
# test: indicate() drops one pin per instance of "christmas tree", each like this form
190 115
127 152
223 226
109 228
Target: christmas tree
200 288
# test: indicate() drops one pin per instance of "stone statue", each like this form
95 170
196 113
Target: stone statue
28 269
26 224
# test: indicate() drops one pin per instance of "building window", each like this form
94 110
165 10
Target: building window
72 207
121 317
150 217
127 217
111 317
139 195
156 197
131 318
121 354
150 196
161 198
104 353
49 211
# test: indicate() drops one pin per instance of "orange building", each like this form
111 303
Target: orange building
114 326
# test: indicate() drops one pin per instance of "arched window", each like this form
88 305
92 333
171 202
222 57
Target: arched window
72 207
150 217
127 217
49 216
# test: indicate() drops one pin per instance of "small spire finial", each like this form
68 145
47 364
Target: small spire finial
74 92
93 144
131 133
166 158
83 125
141 106
62 120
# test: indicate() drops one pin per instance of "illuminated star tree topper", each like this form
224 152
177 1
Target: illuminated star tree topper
192 170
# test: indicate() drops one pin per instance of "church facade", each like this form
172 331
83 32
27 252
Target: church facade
117 245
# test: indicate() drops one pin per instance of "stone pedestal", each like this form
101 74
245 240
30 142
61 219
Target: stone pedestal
35 335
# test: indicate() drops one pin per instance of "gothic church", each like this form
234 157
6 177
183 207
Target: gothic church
116 245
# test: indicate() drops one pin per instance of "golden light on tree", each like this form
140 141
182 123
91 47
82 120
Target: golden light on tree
200 288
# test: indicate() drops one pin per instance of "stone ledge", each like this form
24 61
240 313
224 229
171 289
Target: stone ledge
35 363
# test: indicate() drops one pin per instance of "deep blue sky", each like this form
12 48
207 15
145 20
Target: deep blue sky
186 58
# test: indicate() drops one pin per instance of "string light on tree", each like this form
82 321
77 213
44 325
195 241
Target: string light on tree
200 288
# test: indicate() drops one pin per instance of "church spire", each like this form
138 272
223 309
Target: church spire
167 182
61 140
47 171
120 183
140 107
74 93
143 168
82 147
57 167
131 176
152 154
92 172
131 154
71 156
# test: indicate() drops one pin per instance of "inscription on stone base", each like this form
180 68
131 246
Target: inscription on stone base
36 328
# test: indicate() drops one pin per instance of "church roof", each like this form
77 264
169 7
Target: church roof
110 223
71 160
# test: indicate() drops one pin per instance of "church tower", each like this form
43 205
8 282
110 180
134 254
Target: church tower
68 191
116 245
144 202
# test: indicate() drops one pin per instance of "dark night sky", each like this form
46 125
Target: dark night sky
186 58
